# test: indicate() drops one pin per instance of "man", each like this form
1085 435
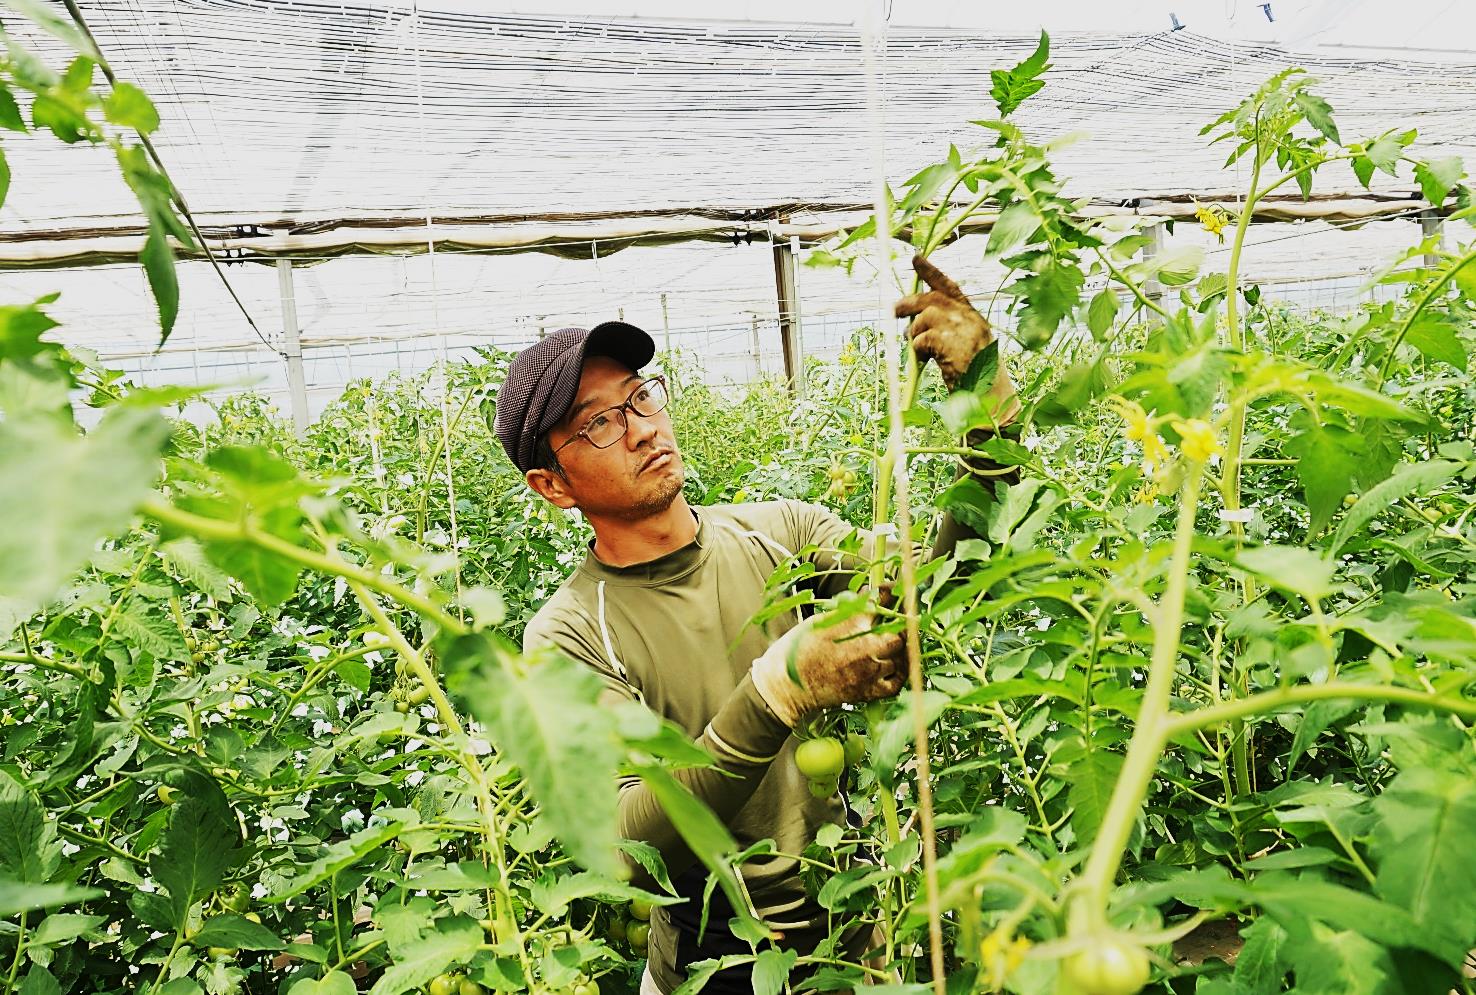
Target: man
661 604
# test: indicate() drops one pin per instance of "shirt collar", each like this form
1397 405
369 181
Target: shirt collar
665 569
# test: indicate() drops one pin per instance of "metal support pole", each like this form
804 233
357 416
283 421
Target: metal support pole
667 363
292 347
758 357
1431 224
786 285
1152 289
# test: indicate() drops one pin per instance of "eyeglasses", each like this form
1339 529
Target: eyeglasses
605 428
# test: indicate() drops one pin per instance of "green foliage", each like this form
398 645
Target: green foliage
1208 657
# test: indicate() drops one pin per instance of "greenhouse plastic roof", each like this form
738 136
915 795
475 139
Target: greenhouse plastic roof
278 110
301 116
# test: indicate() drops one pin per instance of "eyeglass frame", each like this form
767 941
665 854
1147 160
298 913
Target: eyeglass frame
619 409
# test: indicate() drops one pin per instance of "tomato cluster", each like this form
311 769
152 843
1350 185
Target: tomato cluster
824 759
453 984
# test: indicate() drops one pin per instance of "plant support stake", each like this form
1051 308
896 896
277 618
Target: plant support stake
873 45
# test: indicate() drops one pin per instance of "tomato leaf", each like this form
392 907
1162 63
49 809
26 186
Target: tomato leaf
1337 962
10 115
1290 568
28 848
24 896
1328 460
151 632
704 834
1437 340
1013 227
1092 778
1410 479
1423 848
197 848
1319 115
157 257
338 857
1437 176
771 971
235 931
332 983
548 722
1101 313
454 940
70 491
130 107
1013 87
1259 967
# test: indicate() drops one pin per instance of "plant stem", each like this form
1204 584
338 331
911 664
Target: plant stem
216 529
45 664
1149 735
1420 305
20 948
1269 701
1123 279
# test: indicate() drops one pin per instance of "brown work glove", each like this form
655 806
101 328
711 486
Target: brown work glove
833 668
946 328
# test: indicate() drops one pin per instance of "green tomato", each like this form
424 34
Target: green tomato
222 951
638 934
820 758
616 930
825 787
1107 967
590 987
166 794
402 706
855 747
469 987
640 909
210 645
418 695
443 984
236 898
197 657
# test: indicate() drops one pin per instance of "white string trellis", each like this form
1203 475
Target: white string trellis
442 380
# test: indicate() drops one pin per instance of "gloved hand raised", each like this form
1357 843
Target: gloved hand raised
835 666
947 329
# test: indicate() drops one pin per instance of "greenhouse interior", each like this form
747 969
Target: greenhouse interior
1039 555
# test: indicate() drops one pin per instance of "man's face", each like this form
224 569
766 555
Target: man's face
638 476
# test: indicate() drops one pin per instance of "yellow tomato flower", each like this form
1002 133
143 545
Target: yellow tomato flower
1000 954
1135 419
1213 218
1197 439
1155 454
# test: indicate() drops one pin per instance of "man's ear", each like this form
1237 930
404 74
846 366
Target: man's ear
550 486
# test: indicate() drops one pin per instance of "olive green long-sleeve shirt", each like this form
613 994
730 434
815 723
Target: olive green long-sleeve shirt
674 634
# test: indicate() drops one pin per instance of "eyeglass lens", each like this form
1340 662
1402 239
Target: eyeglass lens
608 427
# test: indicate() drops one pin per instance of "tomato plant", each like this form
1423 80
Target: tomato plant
1203 671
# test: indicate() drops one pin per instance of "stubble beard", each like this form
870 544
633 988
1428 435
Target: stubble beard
660 497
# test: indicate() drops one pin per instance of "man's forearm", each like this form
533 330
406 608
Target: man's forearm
744 738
